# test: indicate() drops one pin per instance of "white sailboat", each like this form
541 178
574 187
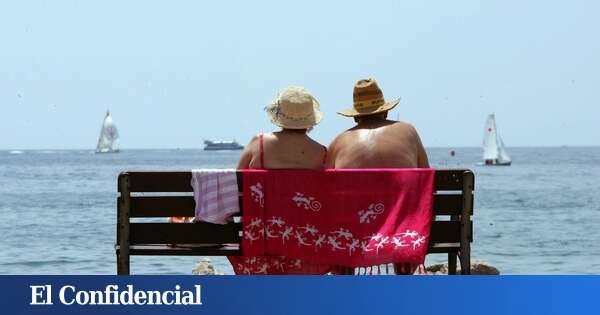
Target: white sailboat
108 136
494 152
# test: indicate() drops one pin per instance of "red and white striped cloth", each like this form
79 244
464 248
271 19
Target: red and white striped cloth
216 195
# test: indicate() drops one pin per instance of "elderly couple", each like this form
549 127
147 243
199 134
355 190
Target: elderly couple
375 141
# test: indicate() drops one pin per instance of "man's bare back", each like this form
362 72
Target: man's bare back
376 142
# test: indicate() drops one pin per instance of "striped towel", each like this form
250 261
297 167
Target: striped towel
216 195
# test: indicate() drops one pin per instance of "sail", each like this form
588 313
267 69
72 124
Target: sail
490 139
504 157
108 135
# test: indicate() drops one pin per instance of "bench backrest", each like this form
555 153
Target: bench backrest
162 194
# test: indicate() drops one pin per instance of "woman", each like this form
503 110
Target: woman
296 111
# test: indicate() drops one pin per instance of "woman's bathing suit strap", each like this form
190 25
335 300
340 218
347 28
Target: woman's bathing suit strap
261 150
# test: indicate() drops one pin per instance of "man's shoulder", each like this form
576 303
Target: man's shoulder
348 133
403 126
340 139
392 125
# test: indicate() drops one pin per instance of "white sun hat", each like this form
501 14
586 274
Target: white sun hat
294 108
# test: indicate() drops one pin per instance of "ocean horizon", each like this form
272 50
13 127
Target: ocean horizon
7 150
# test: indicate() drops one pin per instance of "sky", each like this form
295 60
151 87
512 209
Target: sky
174 73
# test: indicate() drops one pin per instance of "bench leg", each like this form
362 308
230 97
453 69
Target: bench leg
123 210
451 263
466 227
402 269
465 261
122 264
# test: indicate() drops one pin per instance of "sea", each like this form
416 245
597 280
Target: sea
58 209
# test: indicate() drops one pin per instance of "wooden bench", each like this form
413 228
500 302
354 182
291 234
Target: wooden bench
162 194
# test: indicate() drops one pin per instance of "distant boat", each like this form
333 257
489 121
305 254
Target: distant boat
494 152
221 145
108 136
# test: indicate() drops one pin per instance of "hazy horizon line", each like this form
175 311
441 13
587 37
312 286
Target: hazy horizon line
201 148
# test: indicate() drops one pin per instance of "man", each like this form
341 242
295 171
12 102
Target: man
375 141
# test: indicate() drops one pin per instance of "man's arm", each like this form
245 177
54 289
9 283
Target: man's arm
422 160
331 153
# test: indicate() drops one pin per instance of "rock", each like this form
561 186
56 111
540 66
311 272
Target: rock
477 268
481 268
438 269
205 267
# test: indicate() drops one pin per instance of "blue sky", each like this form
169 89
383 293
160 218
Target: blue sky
175 72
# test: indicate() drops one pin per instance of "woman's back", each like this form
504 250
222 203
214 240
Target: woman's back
296 111
283 149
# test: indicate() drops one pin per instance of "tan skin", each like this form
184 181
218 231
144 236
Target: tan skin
288 148
369 139
376 142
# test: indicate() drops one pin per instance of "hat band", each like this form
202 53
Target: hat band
369 104
279 113
295 118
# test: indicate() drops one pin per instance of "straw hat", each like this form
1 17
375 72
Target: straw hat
368 100
294 108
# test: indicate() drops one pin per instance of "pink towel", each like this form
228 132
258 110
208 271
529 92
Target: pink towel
216 195
315 219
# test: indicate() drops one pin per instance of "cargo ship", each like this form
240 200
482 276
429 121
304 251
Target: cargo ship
221 145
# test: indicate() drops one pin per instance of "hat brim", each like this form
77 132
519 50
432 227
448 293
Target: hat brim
304 124
370 111
307 123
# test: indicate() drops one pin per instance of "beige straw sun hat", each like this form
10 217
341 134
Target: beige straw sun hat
368 100
294 108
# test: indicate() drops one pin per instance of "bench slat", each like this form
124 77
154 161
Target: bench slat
179 181
163 206
438 248
183 206
446 232
206 233
182 233
447 204
159 181
449 179
165 250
